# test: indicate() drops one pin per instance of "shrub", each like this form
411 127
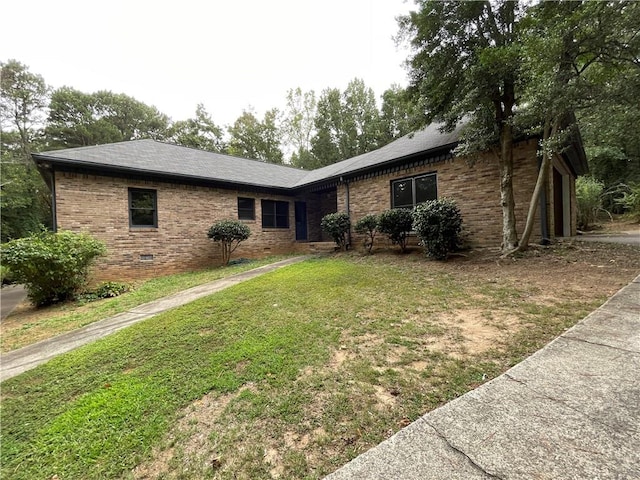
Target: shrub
105 290
396 224
367 226
589 193
630 201
438 224
230 233
5 275
52 266
337 226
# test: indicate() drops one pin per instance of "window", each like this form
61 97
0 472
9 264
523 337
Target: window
409 192
275 214
143 210
246 208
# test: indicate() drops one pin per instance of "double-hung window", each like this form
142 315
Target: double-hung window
275 214
143 208
409 192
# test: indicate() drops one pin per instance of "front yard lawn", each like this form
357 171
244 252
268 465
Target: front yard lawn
292 374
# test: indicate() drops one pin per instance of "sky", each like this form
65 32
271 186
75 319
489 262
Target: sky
229 55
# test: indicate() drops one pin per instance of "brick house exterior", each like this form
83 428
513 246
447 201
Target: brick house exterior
153 203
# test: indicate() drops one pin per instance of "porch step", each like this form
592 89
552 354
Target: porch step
321 247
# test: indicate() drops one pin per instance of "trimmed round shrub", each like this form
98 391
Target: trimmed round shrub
337 226
367 226
52 266
396 224
230 233
438 224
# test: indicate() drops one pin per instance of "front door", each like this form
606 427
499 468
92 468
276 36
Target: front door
301 221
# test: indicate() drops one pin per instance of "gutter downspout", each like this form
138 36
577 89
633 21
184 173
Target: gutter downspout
544 226
348 208
54 209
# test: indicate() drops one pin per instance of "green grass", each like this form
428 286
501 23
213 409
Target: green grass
62 318
317 354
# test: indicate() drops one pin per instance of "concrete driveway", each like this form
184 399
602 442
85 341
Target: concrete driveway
10 297
631 237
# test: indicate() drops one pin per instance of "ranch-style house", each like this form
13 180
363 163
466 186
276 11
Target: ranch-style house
152 203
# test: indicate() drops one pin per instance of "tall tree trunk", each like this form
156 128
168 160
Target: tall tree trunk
550 129
509 233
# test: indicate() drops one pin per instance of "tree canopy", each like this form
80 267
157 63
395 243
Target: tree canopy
502 65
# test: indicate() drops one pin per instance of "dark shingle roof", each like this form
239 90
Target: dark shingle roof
149 157
428 139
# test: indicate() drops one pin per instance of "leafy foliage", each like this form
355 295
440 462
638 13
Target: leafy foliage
230 233
467 65
260 140
347 124
105 290
337 225
24 198
367 226
52 266
199 132
589 194
79 119
396 223
438 224
630 200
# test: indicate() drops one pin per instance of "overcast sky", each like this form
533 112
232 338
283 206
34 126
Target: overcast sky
227 54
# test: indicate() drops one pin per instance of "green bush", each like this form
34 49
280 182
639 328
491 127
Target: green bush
438 224
230 233
104 290
367 226
630 201
52 266
589 193
337 226
5 275
396 224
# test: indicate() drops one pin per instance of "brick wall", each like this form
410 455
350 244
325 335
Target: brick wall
475 188
99 205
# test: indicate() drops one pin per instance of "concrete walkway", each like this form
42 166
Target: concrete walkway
570 411
17 361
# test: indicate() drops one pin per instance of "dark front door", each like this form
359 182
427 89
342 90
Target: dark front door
301 221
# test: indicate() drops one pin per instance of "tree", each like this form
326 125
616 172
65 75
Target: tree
260 140
79 119
576 55
397 114
230 233
297 125
347 124
24 197
467 64
199 132
24 98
